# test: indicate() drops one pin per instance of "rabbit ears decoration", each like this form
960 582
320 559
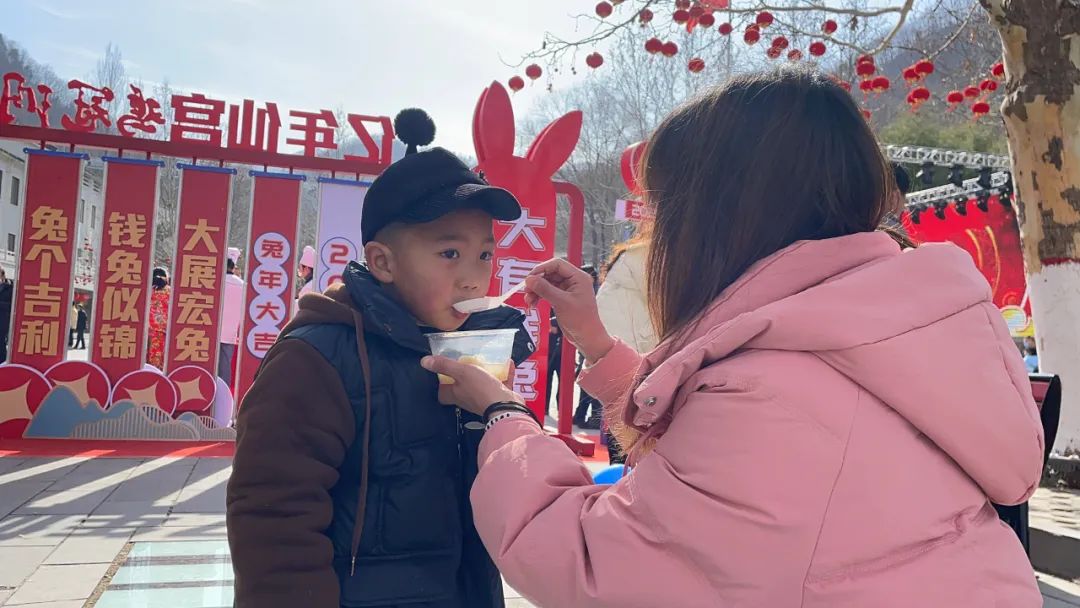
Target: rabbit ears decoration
493 137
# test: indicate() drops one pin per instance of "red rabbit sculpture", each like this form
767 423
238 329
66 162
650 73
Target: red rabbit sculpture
523 243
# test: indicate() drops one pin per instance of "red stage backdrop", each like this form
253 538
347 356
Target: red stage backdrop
124 266
43 292
993 240
199 275
275 212
530 240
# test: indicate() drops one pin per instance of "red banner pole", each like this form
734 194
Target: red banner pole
574 253
118 346
271 266
199 277
44 288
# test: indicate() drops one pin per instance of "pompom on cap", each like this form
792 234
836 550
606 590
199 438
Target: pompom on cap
414 128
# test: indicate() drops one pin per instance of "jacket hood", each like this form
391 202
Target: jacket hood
360 295
917 329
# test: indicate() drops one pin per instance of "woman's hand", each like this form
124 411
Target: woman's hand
473 390
570 292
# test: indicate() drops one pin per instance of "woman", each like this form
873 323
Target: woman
794 445
159 318
621 299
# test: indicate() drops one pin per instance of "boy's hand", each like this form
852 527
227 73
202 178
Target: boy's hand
473 390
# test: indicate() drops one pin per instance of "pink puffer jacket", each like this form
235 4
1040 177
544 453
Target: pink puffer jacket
830 435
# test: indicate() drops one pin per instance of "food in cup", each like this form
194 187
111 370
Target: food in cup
489 350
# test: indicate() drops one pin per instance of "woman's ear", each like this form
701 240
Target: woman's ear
380 261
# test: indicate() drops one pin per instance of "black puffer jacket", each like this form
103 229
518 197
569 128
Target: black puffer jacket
418 546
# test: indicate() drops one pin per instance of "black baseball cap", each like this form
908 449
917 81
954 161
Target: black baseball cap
424 186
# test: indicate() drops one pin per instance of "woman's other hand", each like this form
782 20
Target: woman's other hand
569 290
473 390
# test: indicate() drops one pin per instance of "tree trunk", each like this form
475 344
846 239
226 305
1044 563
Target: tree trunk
1041 42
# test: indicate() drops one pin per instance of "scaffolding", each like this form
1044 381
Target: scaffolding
940 157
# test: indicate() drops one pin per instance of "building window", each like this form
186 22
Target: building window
93 216
14 191
1 185
11 242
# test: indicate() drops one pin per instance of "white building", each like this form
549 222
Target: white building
12 171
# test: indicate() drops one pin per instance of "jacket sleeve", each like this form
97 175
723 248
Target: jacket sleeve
611 377
721 513
292 435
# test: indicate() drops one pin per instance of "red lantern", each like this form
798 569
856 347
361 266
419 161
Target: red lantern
988 85
955 98
696 65
921 94
683 5
716 4
534 71
773 52
794 55
780 42
752 35
880 84
971 92
681 16
725 29
924 67
998 70
654 46
764 19
707 20
980 109
829 27
911 76
594 60
817 49
865 59
603 10
516 83
670 49
865 69
645 16
866 86
696 12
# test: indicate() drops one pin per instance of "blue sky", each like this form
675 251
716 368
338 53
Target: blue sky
368 56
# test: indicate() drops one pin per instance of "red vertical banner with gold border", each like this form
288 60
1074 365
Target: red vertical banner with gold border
199 271
44 289
118 346
271 264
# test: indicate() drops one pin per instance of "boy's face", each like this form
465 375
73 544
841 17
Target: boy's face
430 267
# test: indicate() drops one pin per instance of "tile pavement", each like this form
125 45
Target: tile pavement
63 522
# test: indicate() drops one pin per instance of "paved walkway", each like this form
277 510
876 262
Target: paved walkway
121 533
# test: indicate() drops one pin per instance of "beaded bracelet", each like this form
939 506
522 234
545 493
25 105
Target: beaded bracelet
503 416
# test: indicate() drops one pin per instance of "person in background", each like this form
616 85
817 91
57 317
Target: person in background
305 274
1031 359
892 219
587 402
7 289
73 321
624 311
232 315
554 356
81 320
159 318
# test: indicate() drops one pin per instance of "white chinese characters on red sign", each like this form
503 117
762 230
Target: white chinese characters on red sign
268 309
629 210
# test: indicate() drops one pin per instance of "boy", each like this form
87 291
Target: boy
350 483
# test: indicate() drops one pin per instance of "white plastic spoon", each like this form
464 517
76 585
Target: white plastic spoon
468 307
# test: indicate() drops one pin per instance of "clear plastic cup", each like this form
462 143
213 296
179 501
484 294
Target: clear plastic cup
487 349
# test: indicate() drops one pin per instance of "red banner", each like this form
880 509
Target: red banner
199 275
275 212
119 342
43 292
521 245
992 237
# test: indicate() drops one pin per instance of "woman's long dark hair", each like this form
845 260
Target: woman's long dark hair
747 169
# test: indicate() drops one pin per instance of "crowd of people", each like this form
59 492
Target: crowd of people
759 354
